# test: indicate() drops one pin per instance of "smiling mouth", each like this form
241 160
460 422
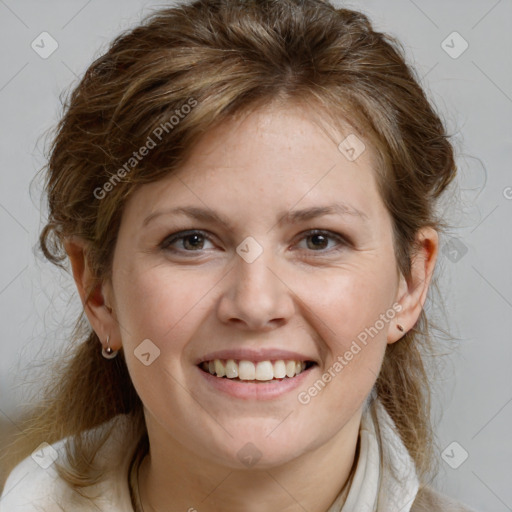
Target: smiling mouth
251 372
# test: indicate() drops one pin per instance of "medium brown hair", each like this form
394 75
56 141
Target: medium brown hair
231 57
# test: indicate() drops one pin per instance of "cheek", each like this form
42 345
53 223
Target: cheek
348 312
351 310
163 306
160 304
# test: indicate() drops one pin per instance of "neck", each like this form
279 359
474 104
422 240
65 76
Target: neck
175 480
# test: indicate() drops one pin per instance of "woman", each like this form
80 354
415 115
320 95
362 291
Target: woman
246 194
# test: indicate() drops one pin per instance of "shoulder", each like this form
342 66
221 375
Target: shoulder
429 500
34 482
34 485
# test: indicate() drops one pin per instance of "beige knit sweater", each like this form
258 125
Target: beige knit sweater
384 479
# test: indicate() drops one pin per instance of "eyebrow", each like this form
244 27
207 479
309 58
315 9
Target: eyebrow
289 217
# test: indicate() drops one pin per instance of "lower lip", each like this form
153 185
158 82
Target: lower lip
266 390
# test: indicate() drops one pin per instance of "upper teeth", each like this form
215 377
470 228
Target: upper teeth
247 370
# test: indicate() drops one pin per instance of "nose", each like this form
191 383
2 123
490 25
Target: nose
256 297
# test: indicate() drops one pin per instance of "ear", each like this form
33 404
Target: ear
94 294
412 293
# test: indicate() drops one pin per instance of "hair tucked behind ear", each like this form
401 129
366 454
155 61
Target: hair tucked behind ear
223 58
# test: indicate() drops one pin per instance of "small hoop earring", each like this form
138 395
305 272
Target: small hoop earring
109 353
400 328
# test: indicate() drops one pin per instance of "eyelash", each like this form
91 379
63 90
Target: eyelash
181 235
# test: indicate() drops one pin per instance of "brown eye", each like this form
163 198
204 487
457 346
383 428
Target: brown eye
184 241
193 242
318 241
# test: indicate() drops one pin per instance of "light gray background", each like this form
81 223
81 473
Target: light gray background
473 93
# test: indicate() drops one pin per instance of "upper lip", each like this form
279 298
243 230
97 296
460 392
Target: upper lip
244 354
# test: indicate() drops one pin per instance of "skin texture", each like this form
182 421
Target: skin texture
304 293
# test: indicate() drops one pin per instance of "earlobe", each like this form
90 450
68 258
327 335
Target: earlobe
91 291
412 292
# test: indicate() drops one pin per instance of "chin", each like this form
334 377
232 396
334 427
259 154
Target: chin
258 452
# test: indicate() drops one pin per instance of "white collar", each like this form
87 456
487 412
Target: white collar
385 474
385 477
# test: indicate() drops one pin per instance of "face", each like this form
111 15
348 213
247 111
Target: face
266 276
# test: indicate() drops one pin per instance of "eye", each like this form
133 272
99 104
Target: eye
189 241
318 240
194 241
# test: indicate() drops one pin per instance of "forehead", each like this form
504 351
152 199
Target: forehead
273 158
291 131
